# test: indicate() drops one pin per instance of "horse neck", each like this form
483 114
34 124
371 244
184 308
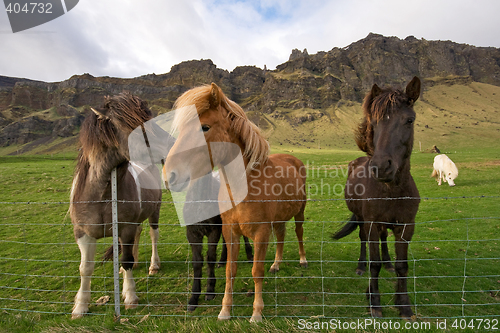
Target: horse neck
97 176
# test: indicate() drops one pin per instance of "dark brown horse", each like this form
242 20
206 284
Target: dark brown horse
104 146
380 190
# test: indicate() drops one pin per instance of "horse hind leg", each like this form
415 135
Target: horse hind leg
248 249
386 258
154 234
280 230
299 231
130 298
87 247
135 249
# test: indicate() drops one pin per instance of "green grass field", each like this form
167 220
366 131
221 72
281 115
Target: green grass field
454 256
453 259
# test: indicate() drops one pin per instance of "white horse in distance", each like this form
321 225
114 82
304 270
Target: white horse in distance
444 169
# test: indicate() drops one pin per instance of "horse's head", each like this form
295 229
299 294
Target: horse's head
107 131
213 130
388 128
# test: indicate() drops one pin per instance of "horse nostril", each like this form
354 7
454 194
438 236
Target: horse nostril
389 163
172 177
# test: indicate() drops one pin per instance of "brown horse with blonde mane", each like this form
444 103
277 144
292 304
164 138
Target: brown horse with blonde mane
380 191
276 183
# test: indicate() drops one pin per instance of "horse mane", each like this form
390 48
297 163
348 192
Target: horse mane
256 147
386 103
100 135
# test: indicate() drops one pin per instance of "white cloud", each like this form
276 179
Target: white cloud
130 38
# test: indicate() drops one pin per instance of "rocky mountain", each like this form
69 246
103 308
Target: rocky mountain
306 88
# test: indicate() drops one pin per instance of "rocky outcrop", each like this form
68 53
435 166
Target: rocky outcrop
306 81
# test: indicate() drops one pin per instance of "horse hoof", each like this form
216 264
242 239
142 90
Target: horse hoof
221 264
191 308
224 316
209 297
273 269
131 306
406 314
131 303
376 313
359 271
304 264
250 260
77 315
256 319
153 270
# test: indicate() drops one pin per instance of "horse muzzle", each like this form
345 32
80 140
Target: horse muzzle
174 181
383 169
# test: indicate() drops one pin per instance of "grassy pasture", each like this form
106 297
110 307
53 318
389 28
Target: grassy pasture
453 258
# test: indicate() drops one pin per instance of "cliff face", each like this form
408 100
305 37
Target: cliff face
31 110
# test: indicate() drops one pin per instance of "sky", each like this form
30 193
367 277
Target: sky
129 38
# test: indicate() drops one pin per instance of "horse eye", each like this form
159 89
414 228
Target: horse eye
410 120
205 128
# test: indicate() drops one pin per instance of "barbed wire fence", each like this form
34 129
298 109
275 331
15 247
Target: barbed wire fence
450 276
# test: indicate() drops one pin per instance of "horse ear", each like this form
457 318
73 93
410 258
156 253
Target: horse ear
413 89
375 91
215 96
100 113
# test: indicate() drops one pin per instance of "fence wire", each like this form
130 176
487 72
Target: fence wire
453 270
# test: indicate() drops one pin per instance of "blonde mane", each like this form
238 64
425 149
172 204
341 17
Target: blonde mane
256 147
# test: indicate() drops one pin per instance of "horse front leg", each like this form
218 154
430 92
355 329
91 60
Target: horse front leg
130 298
87 247
248 249
260 243
233 248
213 239
154 267
362 253
223 256
196 248
386 258
403 236
373 293
154 234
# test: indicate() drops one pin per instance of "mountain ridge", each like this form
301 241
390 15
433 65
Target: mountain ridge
304 89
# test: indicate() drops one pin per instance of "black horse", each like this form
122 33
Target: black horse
380 190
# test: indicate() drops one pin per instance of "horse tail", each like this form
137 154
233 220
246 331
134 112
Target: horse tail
348 228
434 173
108 254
